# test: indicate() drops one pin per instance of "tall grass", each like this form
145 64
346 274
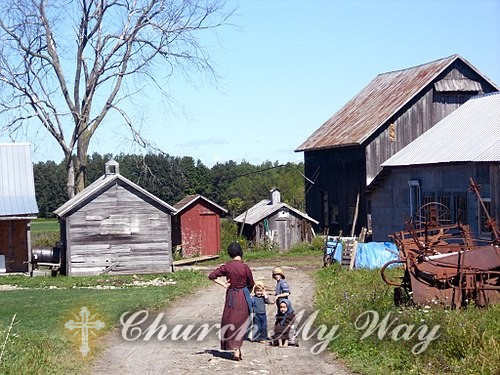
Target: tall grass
468 341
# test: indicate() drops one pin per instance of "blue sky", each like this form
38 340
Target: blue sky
288 65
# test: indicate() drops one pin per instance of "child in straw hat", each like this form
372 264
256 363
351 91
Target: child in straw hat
282 289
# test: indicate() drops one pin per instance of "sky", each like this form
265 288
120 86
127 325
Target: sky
286 66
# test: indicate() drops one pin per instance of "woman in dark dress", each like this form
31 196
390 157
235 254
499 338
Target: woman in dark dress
236 314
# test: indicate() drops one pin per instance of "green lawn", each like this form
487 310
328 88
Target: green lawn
44 225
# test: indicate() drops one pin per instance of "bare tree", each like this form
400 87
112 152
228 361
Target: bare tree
65 63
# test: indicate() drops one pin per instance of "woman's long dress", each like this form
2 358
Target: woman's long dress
236 311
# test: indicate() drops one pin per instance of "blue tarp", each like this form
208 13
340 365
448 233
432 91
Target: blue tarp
330 247
375 254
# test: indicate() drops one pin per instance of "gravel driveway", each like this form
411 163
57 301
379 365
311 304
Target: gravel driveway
202 356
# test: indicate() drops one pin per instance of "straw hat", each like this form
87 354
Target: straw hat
278 271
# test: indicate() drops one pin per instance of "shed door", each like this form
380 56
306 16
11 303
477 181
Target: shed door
210 234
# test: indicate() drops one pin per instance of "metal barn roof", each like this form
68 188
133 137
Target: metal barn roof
471 133
265 209
17 186
101 184
359 118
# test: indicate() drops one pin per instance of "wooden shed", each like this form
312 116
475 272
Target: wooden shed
437 167
196 226
276 223
114 226
17 206
345 154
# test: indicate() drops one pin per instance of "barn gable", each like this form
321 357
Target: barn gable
345 154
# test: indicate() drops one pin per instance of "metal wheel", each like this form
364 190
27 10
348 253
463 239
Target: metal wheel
433 214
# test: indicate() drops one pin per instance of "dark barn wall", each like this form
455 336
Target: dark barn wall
444 183
338 175
121 232
14 244
200 230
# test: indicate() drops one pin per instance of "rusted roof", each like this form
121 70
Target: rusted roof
17 186
102 184
471 133
188 199
264 209
359 118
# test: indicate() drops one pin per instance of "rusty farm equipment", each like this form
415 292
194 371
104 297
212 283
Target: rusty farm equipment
443 264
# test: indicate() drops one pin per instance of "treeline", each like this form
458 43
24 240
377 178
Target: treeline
233 186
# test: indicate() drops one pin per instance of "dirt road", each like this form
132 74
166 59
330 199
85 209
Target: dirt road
202 356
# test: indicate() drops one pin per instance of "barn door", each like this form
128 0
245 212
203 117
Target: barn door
210 234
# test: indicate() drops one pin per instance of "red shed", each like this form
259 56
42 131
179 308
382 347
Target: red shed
196 226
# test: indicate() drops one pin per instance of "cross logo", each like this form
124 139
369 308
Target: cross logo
85 324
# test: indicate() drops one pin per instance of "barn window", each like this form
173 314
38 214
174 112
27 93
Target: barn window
415 198
334 214
460 208
484 230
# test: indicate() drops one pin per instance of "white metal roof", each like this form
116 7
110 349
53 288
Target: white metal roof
265 209
17 185
471 133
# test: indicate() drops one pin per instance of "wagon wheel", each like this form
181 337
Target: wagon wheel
433 214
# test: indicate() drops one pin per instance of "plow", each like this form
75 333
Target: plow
442 262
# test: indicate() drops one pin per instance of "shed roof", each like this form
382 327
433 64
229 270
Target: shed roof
381 99
101 184
265 209
189 199
17 185
471 133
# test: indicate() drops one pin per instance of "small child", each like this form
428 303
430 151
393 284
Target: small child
259 301
284 330
282 289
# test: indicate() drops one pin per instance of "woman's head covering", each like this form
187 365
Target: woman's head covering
278 271
289 308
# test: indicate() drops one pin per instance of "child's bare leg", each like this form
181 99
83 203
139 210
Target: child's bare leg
285 342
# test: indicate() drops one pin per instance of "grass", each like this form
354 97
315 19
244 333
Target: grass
44 232
468 341
39 343
44 225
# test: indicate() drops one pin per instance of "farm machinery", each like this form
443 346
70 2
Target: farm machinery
443 264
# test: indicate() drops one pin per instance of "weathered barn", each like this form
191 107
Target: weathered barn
17 206
344 155
196 226
276 223
114 226
437 167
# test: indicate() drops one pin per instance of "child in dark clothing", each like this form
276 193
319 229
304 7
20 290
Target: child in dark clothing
259 301
284 330
282 289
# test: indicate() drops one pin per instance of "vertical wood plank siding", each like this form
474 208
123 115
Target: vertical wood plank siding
120 232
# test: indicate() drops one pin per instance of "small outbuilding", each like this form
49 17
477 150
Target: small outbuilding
276 223
114 226
17 206
196 226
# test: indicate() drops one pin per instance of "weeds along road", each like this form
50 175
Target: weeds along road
195 356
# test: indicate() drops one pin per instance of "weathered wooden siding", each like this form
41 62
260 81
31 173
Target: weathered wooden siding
288 229
119 232
14 244
200 228
418 116
391 200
